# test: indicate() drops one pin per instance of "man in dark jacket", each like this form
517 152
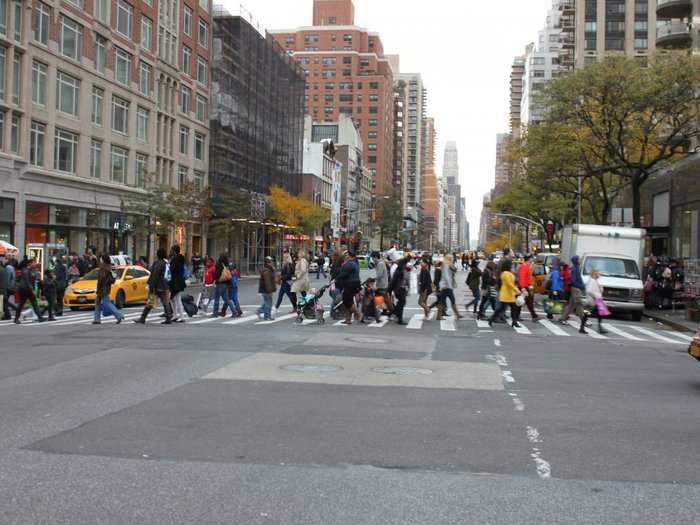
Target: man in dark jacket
105 280
286 277
49 290
348 280
474 284
61 274
266 288
177 284
578 292
26 286
158 288
425 286
4 298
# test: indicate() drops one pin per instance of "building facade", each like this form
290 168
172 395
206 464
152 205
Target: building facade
414 134
347 73
430 191
88 121
679 24
400 153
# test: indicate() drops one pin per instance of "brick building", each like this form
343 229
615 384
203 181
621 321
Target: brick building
347 73
97 95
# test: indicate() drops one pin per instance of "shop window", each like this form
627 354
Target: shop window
37 213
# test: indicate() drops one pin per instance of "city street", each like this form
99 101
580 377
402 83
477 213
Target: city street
246 422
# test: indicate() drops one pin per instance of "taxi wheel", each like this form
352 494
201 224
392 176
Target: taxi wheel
120 299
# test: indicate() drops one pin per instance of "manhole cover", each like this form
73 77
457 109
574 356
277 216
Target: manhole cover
403 371
367 340
312 369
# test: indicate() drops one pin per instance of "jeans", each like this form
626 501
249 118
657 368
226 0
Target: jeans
487 299
286 289
233 296
223 292
445 294
476 292
266 307
514 312
23 298
104 300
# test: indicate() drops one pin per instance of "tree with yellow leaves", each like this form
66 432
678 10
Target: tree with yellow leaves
299 213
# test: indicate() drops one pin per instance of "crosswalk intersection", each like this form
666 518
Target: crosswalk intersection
616 330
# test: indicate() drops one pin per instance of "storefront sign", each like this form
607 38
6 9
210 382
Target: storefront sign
290 237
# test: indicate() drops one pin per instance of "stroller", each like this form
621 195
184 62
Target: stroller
309 306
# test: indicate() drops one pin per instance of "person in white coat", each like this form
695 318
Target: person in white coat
301 283
594 293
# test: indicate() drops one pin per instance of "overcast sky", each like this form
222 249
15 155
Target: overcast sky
463 49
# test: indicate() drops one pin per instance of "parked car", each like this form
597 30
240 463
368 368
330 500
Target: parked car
129 287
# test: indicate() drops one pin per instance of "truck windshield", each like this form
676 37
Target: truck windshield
611 267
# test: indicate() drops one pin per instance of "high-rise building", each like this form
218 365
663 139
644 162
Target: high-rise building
502 144
455 211
610 27
679 24
414 137
517 73
96 99
347 73
400 154
430 190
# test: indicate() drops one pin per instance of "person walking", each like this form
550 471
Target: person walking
223 280
437 276
320 263
49 289
474 284
489 292
425 286
286 280
233 292
578 289
554 286
348 280
301 275
594 294
209 285
61 272
177 284
266 288
10 271
158 289
4 298
26 287
381 274
105 280
447 286
526 284
400 286
507 295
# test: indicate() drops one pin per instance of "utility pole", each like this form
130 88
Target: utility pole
579 199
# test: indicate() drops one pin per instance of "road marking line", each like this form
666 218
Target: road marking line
380 324
448 325
591 333
308 321
533 435
522 330
685 338
614 329
544 469
242 320
416 322
656 336
517 403
549 325
508 376
208 320
482 324
497 342
277 319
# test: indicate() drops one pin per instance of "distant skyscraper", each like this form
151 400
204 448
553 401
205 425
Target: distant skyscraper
455 213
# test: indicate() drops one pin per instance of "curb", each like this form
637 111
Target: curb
673 324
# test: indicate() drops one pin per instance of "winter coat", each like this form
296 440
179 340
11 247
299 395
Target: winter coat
425 282
267 280
177 271
287 272
525 278
301 272
447 278
556 283
349 273
593 291
508 291
105 280
382 275
474 278
576 279
49 288
3 281
487 280
61 273
156 281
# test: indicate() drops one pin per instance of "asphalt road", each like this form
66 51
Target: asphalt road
434 423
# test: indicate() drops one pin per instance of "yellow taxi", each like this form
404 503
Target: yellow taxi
129 287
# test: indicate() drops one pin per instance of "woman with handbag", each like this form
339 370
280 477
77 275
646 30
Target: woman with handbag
507 295
223 278
594 294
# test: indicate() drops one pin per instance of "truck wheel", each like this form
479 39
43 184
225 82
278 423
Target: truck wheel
637 316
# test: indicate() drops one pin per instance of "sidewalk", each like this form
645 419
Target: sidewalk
675 319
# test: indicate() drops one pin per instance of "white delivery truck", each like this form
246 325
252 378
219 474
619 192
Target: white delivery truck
618 254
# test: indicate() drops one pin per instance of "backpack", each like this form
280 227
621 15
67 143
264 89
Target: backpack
189 305
167 274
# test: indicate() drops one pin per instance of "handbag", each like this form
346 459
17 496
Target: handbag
225 275
602 308
520 301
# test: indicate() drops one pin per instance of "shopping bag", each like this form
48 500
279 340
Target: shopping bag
603 309
554 307
106 312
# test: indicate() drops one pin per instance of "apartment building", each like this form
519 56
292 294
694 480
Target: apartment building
347 73
613 27
679 24
430 189
93 94
400 156
517 74
414 135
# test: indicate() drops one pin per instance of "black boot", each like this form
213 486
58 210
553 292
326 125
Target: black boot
582 330
144 314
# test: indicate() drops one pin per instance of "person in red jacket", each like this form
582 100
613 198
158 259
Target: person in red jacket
565 272
209 284
526 284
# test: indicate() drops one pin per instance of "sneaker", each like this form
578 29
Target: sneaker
140 321
97 322
582 331
120 320
516 325
17 321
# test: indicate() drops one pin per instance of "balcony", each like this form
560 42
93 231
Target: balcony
675 35
568 7
674 8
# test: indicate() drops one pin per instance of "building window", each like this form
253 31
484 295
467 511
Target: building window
142 117
198 181
122 66
65 151
204 4
37 134
182 173
372 160
16 77
201 108
39 83
95 159
202 71
3 63
144 78
120 115
372 147
187 60
185 98
146 33
187 21
100 53
101 10
198 146
184 139
203 36
372 123
141 169
641 43
71 38
41 23
18 20
125 18
98 96
67 93
119 160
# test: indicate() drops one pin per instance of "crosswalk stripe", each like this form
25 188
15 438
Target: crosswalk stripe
416 322
522 329
277 319
208 320
380 324
655 335
614 329
242 320
591 333
308 321
684 337
448 325
549 325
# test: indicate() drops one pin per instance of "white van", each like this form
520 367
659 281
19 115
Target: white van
617 253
